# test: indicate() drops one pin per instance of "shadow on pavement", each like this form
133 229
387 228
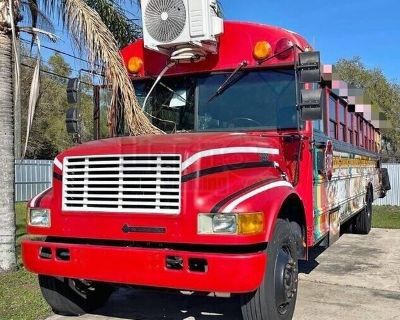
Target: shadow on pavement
141 304
311 264
308 266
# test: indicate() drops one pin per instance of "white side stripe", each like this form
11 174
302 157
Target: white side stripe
216 152
58 164
32 204
253 193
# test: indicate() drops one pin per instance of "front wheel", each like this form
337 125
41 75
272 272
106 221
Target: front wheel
72 297
275 299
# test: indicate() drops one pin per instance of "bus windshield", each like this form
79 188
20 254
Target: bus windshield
254 100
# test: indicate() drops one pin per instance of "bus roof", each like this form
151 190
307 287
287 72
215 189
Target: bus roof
235 45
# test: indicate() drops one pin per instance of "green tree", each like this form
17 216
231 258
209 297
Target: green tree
124 29
383 94
48 135
59 65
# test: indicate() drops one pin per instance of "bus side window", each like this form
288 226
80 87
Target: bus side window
350 129
342 134
361 131
356 130
333 127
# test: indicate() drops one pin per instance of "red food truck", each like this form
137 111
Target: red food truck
262 161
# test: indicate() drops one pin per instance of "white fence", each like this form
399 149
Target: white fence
34 176
393 196
31 178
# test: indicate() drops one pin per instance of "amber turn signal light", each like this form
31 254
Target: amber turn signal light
251 223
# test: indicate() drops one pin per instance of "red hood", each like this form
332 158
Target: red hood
184 144
217 168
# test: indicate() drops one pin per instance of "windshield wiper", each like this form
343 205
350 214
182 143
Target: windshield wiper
228 82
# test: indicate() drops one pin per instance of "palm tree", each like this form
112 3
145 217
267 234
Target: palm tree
7 218
90 33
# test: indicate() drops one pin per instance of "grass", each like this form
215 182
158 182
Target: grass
386 217
20 297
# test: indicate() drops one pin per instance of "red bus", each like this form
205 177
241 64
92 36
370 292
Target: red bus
262 161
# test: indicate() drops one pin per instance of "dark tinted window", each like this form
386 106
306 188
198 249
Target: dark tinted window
262 99
253 100
332 108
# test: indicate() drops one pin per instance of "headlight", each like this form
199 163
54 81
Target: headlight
224 223
231 223
39 218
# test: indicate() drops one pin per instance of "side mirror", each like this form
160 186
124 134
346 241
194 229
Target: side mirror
312 104
312 101
309 67
72 90
73 121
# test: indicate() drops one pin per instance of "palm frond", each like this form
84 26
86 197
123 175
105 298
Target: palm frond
124 30
88 31
35 17
33 99
220 11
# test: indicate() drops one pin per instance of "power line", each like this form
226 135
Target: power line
60 52
53 74
90 72
47 63
45 71
124 9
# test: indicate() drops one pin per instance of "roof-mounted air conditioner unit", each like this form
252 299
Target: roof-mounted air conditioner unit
171 25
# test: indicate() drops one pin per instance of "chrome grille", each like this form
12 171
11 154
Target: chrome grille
129 183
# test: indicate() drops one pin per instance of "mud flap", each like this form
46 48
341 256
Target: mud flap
334 226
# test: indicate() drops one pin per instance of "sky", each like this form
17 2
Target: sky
339 29
342 29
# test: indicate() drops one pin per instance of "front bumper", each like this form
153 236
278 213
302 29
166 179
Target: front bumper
230 273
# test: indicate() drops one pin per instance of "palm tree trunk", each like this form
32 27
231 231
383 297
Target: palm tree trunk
8 261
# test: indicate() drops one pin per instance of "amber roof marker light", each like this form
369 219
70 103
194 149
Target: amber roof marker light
262 50
135 64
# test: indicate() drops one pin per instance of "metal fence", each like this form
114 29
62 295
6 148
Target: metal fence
31 178
393 196
34 176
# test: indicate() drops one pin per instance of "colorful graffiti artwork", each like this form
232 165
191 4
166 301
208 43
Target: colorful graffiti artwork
345 192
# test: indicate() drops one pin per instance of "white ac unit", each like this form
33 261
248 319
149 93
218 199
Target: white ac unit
169 25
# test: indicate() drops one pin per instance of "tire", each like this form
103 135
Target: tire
363 220
70 297
272 300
